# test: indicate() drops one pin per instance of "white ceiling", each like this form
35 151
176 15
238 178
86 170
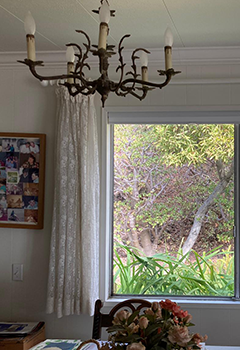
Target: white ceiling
194 23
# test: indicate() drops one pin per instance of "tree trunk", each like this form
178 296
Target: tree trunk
134 234
197 224
147 245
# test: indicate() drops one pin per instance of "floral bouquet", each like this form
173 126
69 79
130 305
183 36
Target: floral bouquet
164 326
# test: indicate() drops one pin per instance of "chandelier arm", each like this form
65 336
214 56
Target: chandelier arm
134 57
32 69
123 90
148 83
80 88
119 87
85 84
135 51
123 94
122 64
77 91
72 93
134 74
32 64
79 56
80 64
132 92
144 94
134 67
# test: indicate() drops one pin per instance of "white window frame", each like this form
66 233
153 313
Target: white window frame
153 115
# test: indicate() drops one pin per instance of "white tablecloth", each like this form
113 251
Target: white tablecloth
218 347
64 344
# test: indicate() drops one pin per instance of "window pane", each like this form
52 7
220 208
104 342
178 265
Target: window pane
173 212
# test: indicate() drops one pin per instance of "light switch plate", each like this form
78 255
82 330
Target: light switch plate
17 272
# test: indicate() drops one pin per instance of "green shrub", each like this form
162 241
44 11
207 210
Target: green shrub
211 274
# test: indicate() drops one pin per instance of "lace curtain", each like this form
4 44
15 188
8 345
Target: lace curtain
73 281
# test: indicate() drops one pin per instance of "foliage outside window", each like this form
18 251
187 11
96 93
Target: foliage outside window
173 212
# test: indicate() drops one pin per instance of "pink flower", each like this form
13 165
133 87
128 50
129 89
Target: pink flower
133 327
165 321
136 346
197 338
179 335
121 316
143 322
169 305
158 313
175 320
155 306
149 312
187 318
180 313
176 308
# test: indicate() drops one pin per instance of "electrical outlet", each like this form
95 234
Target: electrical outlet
17 272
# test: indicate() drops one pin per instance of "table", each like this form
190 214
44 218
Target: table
24 342
67 344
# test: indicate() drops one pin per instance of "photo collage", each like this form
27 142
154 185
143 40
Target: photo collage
19 180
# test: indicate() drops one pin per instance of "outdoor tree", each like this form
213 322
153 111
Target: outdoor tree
167 176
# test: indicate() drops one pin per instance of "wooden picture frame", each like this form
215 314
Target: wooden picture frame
22 177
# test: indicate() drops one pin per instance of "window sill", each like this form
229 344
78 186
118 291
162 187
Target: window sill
184 303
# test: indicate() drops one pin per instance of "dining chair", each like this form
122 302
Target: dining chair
101 320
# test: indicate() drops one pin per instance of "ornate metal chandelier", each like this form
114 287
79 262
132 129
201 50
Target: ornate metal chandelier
75 79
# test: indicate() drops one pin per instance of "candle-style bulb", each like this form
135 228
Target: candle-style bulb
44 83
29 24
144 59
168 37
70 54
104 12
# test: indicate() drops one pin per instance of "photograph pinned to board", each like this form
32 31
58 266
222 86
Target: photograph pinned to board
22 173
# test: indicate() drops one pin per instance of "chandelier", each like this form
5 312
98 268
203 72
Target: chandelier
75 79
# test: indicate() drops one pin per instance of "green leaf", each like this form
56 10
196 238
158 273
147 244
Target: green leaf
131 318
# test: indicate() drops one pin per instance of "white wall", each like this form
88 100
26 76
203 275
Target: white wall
28 107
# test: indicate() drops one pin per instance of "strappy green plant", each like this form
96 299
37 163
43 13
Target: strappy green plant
209 274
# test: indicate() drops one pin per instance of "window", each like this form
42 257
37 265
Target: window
173 203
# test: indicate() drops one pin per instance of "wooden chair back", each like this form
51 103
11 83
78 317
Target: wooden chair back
105 320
